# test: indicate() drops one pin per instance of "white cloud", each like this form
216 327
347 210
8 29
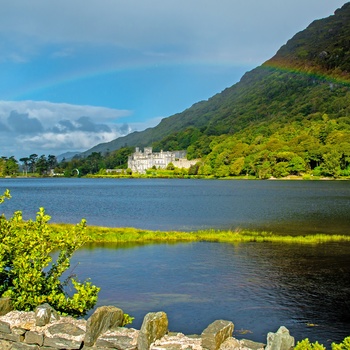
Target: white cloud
50 113
45 127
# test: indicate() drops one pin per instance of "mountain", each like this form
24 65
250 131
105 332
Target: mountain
67 156
304 87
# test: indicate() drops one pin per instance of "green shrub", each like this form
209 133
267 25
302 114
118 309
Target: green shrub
306 345
345 345
28 274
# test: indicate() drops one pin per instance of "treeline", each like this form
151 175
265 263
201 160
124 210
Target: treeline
10 166
45 166
95 163
316 145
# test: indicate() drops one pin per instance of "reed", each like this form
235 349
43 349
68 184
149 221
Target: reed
129 234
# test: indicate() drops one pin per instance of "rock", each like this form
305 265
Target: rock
19 319
177 341
281 340
230 344
154 326
23 346
103 319
5 345
216 333
32 337
251 345
5 306
44 314
121 338
5 327
64 336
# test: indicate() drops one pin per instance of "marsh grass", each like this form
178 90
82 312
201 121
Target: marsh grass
129 234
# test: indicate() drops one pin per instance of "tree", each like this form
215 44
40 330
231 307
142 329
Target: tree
11 166
42 165
51 161
25 161
32 162
237 166
28 274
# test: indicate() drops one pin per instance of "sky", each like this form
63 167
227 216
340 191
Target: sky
76 73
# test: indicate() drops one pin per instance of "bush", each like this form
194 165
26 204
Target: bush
306 345
345 345
28 274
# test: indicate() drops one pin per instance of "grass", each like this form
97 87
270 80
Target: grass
134 235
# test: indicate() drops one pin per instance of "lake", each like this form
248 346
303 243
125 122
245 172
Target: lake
293 207
258 286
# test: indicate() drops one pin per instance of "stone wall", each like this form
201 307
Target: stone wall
45 329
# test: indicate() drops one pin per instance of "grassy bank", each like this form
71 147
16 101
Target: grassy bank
125 235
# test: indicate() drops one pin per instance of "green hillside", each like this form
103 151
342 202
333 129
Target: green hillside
289 116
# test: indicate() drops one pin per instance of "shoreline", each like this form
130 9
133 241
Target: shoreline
99 234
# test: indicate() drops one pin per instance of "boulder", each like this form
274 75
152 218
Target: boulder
5 327
281 340
177 341
5 306
44 314
248 344
64 336
121 338
154 326
216 333
103 319
32 337
231 344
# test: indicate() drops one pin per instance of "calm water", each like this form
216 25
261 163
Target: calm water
280 206
257 286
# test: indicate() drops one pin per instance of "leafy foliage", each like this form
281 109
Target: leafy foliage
28 274
306 345
344 345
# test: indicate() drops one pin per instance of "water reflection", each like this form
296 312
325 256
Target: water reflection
258 286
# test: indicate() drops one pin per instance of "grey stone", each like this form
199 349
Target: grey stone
32 337
122 338
5 345
12 337
230 344
5 306
103 319
44 314
23 346
154 326
216 333
18 330
5 327
64 336
177 341
281 340
249 344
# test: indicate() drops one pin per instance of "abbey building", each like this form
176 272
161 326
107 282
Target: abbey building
140 161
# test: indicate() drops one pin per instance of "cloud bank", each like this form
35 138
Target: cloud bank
44 127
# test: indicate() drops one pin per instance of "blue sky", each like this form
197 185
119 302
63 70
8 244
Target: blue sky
75 73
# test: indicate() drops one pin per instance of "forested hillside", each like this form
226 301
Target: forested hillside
289 116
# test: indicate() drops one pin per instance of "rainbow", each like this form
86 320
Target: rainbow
312 71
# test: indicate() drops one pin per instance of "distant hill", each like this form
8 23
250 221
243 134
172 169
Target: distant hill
67 156
305 84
